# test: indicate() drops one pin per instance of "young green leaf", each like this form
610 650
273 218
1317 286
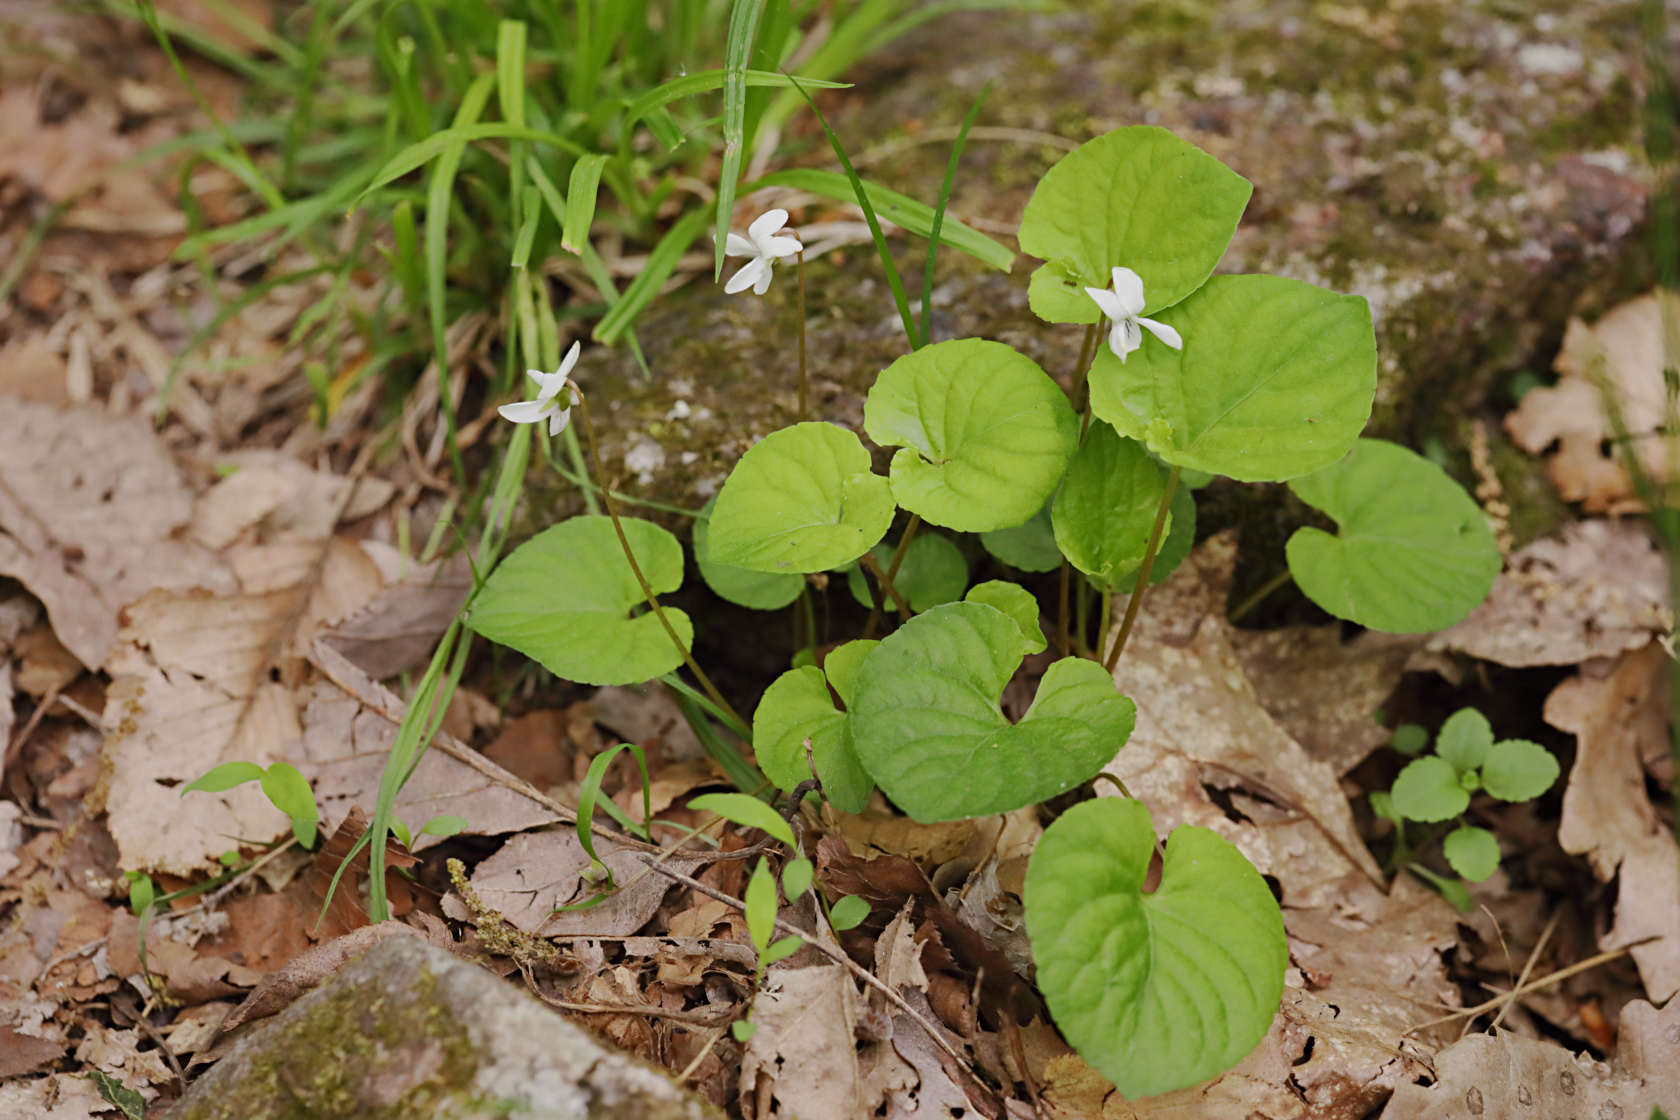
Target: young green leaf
802 499
742 1031
842 664
1275 380
747 811
761 591
1473 852
1029 546
985 435
759 900
848 913
1453 890
290 793
1428 789
1138 197
1158 990
1464 739
795 708
142 892
1518 770
1414 552
927 726
796 877
224 777
564 597
1409 738
444 825
782 948
1106 506
1016 602
112 1090
1382 804
933 572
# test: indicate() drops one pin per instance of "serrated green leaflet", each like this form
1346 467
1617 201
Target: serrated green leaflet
927 726
796 707
564 597
933 572
802 499
1428 789
1156 991
1518 770
1414 552
1106 507
1464 739
1275 380
1016 602
761 591
1138 197
1029 546
985 433
1473 852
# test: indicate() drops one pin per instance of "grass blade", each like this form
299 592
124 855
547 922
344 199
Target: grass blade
580 201
899 209
939 211
894 281
660 264
743 26
704 81
419 154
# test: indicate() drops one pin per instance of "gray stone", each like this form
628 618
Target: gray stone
408 1031
1472 168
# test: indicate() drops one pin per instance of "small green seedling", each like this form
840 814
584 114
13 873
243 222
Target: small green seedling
1434 788
286 789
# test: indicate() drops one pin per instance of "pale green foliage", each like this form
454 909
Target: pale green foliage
933 572
1414 552
1158 990
762 591
1016 602
1105 509
1473 852
1029 546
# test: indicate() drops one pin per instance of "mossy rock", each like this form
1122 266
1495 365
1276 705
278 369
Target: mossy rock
407 1031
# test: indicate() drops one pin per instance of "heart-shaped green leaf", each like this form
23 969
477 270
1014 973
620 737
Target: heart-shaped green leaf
986 435
933 572
1428 789
1138 197
1473 852
761 591
564 597
1275 380
1106 507
927 726
798 706
1518 770
1464 739
1016 602
1029 546
1414 552
802 499
1156 991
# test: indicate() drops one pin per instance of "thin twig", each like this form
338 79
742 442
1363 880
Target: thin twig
1528 967
688 1070
1522 990
1259 595
833 954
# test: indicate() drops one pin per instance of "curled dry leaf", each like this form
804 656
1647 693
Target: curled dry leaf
1619 716
275 492
89 508
803 1059
1621 355
1595 589
1509 1075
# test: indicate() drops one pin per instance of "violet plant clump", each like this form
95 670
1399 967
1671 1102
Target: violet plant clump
1185 376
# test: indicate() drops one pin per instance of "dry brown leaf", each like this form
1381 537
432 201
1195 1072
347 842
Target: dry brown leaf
1618 713
89 505
274 493
802 1061
1509 1075
1595 589
872 832
343 753
1622 353
22 1053
1201 723
535 872
1322 690
400 628
62 1096
278 990
648 717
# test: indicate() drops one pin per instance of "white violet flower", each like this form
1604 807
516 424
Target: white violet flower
1121 304
763 245
546 406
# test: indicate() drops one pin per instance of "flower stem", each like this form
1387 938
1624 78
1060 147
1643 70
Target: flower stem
886 581
1149 554
636 569
1064 625
1082 375
804 377
1260 594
